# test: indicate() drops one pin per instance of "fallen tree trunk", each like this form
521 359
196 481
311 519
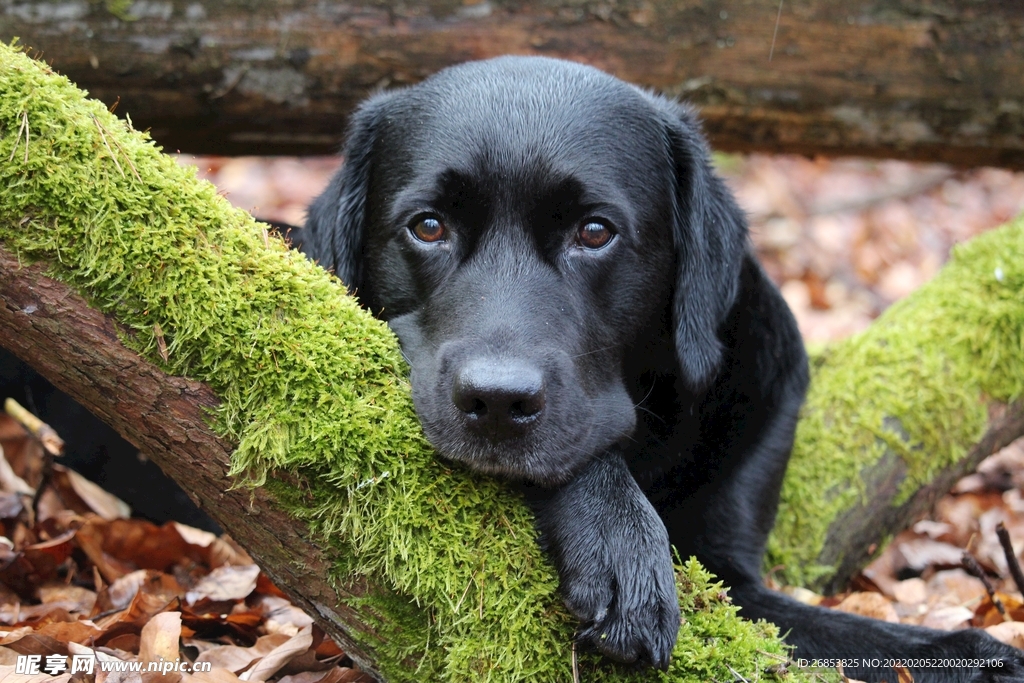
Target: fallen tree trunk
897 413
295 429
893 78
51 327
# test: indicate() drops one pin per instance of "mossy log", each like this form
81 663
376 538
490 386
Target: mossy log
294 427
897 413
895 78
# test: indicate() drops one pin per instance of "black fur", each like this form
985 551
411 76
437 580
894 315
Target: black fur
642 393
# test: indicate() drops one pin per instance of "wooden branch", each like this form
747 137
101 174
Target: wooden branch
896 78
854 536
51 327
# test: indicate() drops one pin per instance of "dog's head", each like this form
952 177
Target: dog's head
525 225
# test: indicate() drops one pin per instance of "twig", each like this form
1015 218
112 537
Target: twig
46 476
736 673
974 569
127 158
17 138
24 118
46 434
106 144
778 18
1011 556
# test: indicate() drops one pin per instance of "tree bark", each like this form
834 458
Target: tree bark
854 536
916 79
51 327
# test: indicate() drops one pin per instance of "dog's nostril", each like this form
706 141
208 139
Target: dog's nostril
527 408
498 395
479 408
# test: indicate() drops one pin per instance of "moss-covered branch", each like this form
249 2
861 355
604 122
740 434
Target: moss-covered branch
896 414
441 567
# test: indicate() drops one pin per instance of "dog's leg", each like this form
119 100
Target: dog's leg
614 561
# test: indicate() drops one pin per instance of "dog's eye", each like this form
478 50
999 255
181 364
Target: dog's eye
428 229
594 235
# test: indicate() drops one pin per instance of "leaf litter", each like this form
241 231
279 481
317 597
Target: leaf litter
78 576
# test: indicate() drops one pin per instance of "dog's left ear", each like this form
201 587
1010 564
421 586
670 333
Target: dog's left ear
710 234
336 224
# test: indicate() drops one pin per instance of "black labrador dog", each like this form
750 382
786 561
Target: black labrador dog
577 298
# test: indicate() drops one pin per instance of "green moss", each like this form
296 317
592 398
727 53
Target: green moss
312 384
915 387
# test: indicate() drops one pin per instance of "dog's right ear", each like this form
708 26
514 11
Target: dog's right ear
336 221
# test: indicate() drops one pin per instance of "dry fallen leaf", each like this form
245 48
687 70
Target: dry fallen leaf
7 675
872 605
106 505
235 658
225 583
279 656
159 639
1009 632
910 591
194 536
947 618
80 599
214 676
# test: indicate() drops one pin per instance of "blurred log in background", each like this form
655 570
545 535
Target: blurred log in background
938 80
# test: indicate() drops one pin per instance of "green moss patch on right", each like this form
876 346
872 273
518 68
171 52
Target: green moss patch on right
907 398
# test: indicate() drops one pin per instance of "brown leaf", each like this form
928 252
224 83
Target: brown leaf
225 551
235 658
159 640
947 618
90 539
281 616
126 642
11 504
145 544
987 614
106 505
81 599
56 549
956 586
35 644
9 479
70 631
8 675
229 657
873 605
194 536
920 553
214 676
156 585
910 591
279 656
225 583
1009 632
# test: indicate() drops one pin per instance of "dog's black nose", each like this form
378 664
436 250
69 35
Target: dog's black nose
499 397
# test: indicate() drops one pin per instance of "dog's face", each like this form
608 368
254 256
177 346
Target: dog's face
517 223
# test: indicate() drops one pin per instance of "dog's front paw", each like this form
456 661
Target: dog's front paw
626 599
614 563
